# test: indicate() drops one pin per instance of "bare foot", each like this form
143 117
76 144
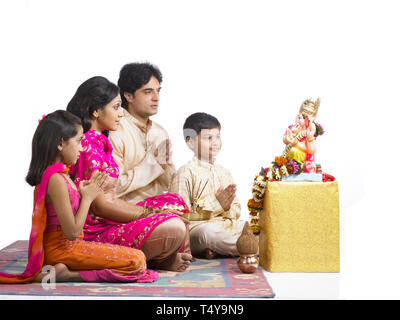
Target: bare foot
209 254
62 274
178 262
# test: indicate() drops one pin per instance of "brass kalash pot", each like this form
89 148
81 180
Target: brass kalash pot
247 245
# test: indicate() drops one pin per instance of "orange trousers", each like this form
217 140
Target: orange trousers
87 255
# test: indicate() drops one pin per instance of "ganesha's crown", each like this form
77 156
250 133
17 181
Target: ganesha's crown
310 108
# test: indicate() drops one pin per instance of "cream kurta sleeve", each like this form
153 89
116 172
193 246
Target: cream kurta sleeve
167 176
232 213
178 184
226 179
133 174
219 176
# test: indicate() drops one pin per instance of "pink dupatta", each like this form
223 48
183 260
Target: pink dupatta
39 216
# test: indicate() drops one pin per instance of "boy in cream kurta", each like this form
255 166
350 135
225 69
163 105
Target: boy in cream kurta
218 233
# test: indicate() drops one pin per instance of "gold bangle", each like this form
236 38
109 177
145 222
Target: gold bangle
144 211
147 211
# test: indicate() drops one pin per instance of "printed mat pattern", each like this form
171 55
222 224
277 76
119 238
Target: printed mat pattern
219 278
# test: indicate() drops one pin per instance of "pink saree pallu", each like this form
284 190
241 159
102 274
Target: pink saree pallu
51 246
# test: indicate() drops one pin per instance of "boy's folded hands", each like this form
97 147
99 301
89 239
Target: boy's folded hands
225 196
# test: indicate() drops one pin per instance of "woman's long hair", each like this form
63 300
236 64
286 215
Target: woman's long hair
57 126
95 93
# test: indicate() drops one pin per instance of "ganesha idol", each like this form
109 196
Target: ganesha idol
296 162
300 137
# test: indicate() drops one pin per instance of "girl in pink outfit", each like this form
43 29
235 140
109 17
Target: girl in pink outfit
60 211
154 225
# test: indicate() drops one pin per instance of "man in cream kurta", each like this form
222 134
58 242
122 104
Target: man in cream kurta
141 174
141 146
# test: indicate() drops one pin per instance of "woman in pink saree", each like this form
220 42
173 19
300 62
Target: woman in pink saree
153 225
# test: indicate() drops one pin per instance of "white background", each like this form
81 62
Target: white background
249 63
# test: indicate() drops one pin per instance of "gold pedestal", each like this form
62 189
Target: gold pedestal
300 227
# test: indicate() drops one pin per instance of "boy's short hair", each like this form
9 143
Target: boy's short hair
197 122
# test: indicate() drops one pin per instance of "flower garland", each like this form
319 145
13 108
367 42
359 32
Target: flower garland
280 167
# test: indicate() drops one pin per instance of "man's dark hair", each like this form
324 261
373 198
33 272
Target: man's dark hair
135 75
197 122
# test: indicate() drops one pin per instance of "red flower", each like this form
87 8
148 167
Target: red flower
327 177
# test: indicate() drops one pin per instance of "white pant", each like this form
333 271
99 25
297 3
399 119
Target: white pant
215 237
